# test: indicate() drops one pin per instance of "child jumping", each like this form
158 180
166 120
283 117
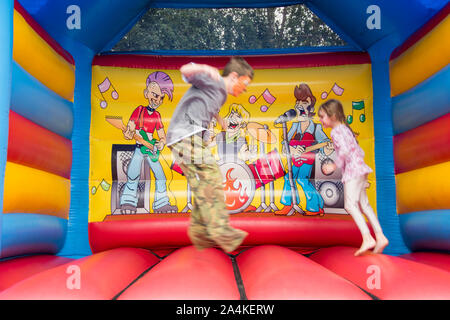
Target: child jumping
350 157
209 221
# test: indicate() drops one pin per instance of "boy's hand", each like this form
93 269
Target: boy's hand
212 72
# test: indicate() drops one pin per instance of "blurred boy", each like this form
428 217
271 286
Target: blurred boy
209 223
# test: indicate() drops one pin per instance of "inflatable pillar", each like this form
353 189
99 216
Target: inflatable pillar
6 38
384 149
77 242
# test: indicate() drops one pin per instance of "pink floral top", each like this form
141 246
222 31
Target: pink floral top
349 155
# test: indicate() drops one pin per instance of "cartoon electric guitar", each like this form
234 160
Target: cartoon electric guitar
153 153
148 145
306 142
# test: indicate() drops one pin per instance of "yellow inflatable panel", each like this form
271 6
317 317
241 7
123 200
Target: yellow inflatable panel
29 190
426 57
118 91
424 189
39 59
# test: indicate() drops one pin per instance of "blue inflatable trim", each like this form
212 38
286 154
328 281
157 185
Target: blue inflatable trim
6 39
425 102
34 101
28 233
103 22
426 230
384 155
77 240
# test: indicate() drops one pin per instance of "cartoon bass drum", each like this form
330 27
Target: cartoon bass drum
240 180
239 185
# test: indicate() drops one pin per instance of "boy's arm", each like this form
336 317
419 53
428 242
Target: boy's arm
191 69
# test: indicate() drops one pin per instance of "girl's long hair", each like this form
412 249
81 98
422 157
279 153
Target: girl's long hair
334 108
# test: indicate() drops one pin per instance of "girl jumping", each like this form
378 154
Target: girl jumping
350 158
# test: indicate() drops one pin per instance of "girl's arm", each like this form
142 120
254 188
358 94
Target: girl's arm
339 160
342 146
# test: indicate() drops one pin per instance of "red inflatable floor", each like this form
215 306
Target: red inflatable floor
266 272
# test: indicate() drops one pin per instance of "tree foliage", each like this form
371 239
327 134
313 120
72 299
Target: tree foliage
228 29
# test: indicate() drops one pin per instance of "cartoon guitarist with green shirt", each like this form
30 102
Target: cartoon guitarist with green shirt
144 121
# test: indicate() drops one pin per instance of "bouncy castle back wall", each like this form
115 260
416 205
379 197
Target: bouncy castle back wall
118 84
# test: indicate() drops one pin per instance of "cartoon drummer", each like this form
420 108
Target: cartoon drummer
231 143
302 134
232 148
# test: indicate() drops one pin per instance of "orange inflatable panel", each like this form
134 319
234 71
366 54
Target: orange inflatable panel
34 146
15 270
277 273
435 259
187 274
423 146
386 277
97 277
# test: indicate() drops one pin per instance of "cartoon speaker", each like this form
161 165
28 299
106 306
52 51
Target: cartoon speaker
120 158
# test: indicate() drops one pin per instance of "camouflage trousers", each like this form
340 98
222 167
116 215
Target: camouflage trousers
209 221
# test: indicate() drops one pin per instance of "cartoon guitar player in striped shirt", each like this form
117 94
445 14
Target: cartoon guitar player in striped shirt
144 121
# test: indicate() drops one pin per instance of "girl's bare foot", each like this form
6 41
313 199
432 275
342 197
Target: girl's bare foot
382 242
368 243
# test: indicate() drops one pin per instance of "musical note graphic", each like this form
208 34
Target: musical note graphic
336 89
104 185
268 98
357 105
103 87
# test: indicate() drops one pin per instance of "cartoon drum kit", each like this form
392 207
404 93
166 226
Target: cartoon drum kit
241 180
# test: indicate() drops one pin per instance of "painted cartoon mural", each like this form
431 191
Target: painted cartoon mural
274 155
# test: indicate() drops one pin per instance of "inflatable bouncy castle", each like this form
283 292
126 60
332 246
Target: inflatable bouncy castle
66 169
